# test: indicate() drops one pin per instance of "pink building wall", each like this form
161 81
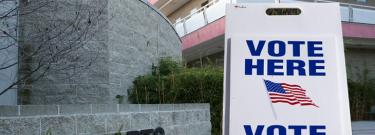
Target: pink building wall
217 28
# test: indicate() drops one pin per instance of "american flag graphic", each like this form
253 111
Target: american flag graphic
288 93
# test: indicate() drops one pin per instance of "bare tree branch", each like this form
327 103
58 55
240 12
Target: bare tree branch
54 48
10 45
8 66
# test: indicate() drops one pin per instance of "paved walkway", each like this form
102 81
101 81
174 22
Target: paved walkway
363 127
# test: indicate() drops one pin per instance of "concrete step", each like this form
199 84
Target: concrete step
363 127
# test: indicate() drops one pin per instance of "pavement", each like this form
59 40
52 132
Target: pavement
363 127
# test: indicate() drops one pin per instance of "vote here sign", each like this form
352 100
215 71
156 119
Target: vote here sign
285 74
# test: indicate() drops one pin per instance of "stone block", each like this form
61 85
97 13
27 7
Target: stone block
61 125
93 93
120 34
118 68
90 124
20 126
149 107
180 118
60 99
204 115
134 14
37 99
202 106
165 107
194 116
115 90
65 89
199 129
99 66
97 78
75 109
104 108
140 121
8 110
32 110
197 116
192 106
115 78
181 130
170 130
161 119
179 107
129 107
118 121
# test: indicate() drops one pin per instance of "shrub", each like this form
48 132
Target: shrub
362 96
170 83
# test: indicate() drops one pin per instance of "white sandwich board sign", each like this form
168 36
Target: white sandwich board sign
285 74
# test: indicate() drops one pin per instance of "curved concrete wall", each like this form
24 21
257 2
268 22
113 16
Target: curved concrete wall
127 38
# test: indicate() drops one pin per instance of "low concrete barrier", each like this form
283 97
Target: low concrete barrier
88 119
363 127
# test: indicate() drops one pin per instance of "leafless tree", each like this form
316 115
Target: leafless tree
48 37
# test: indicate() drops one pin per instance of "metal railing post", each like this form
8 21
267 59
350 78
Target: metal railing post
205 16
184 25
351 17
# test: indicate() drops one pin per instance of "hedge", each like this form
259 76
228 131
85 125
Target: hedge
362 96
169 83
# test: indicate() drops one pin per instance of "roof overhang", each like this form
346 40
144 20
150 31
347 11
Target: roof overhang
168 6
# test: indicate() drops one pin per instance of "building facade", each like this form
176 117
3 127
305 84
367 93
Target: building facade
201 26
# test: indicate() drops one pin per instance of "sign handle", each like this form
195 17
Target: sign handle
273 109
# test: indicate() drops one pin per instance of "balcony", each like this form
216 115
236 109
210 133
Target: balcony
168 6
350 13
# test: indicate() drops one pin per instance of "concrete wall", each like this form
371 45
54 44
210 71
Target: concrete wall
8 56
125 38
177 119
137 37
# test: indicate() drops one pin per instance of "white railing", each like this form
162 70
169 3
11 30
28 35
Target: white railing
207 14
216 9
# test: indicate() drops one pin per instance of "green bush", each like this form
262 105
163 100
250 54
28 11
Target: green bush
170 83
362 96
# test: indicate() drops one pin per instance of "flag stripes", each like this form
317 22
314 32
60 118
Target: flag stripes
288 93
